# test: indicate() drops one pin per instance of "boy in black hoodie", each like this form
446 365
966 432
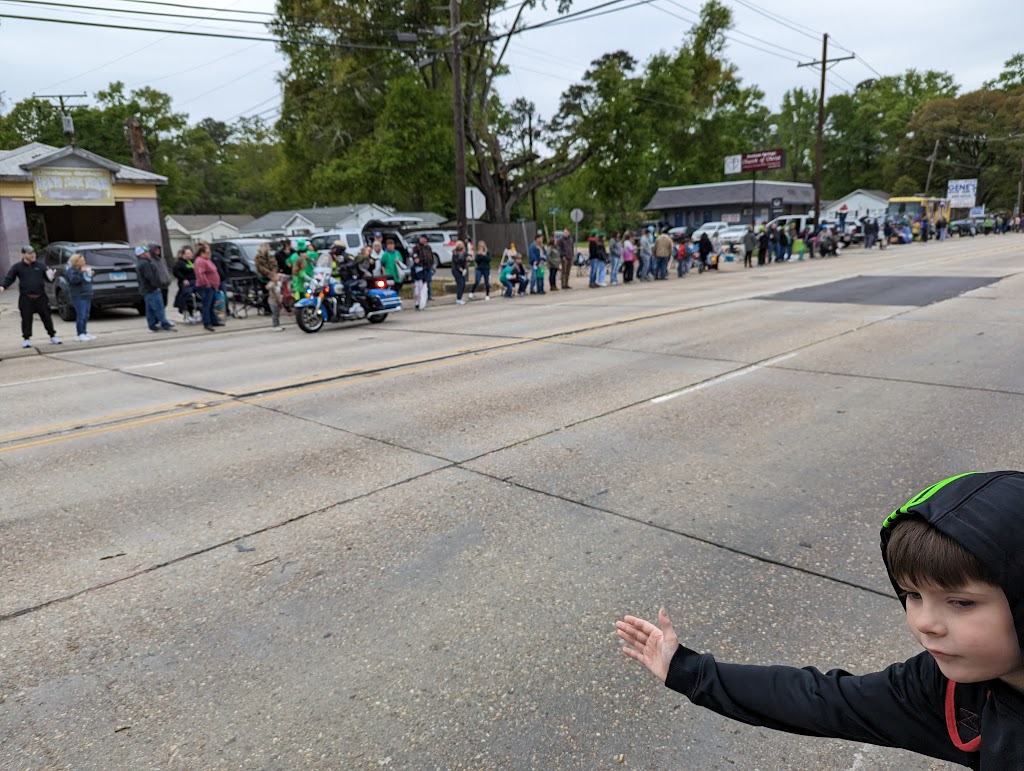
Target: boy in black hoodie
954 555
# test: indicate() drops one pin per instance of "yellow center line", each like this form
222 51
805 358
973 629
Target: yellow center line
102 419
118 427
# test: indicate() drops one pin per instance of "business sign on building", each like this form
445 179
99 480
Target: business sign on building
72 187
962 193
764 160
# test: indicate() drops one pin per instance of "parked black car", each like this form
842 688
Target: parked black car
115 281
240 255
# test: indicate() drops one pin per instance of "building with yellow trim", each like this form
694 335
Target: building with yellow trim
68 194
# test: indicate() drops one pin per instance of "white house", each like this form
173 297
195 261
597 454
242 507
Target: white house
304 222
859 203
190 229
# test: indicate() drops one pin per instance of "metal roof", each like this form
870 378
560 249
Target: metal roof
16 165
193 223
730 193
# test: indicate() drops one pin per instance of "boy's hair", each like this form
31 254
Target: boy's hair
924 556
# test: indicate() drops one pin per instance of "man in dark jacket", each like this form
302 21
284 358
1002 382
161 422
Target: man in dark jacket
422 248
565 250
157 253
952 553
282 256
149 288
32 277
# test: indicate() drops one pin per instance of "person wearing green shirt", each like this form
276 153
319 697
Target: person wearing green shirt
392 264
302 269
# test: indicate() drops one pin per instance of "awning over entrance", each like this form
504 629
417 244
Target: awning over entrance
52 194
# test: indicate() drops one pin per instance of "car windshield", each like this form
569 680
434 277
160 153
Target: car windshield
320 242
110 258
249 250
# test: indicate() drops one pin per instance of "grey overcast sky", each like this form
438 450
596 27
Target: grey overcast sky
227 78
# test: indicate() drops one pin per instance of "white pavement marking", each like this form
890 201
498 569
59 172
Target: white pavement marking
55 377
722 378
143 366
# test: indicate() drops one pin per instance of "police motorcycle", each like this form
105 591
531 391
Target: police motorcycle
350 297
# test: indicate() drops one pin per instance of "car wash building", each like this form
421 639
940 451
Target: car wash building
68 194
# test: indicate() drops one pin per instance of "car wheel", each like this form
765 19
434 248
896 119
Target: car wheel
140 307
65 309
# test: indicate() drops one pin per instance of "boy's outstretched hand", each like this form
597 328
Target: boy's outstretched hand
652 646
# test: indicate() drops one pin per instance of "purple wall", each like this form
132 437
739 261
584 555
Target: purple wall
13 232
142 221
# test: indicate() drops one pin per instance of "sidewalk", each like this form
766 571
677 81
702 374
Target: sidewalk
120 326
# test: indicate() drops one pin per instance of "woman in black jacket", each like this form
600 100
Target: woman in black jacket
185 272
459 268
705 248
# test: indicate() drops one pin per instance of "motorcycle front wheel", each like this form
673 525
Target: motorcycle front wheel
309 319
377 319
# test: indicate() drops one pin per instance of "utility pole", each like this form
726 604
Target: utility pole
931 167
1020 190
533 193
142 160
460 121
820 149
69 123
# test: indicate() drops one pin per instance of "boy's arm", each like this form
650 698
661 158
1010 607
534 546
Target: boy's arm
902 706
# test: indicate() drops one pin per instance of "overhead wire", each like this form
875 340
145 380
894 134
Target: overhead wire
120 58
78 7
202 65
322 43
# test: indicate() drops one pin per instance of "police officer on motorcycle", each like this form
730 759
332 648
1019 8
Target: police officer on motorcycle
348 271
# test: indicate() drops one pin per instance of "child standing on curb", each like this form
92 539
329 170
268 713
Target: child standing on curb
275 300
953 554
418 274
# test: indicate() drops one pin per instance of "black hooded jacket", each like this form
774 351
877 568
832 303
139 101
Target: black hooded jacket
910 705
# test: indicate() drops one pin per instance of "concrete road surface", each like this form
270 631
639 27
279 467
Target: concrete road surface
405 545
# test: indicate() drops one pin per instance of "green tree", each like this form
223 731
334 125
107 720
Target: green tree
864 128
977 136
1012 75
796 127
405 162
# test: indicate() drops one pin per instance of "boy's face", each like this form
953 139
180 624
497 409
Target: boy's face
969 632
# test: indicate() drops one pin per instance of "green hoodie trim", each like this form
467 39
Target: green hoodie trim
922 496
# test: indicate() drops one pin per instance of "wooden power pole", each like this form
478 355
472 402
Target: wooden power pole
820 148
142 160
460 120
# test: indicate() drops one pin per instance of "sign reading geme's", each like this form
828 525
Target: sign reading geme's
72 187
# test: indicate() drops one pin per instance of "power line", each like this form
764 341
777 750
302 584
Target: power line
749 45
322 43
229 82
199 66
202 8
733 31
79 7
772 16
129 54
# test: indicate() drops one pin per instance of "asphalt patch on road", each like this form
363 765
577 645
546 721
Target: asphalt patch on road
886 290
